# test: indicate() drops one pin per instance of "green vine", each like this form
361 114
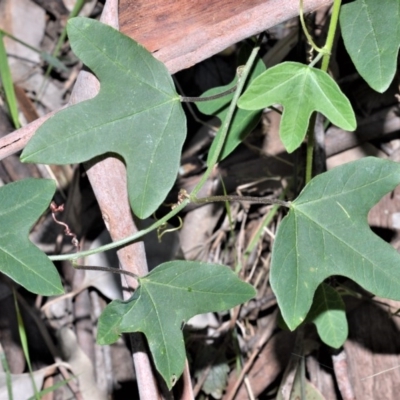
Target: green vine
325 53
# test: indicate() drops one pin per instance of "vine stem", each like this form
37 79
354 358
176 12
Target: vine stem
305 30
250 199
160 222
122 242
326 51
185 99
106 269
331 34
244 72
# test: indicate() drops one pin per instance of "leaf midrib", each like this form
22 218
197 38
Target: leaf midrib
19 205
301 71
32 270
296 206
93 128
344 243
160 324
152 165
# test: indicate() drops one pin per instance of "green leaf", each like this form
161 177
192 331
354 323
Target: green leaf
371 34
21 204
301 90
329 316
243 121
166 299
211 361
326 233
217 376
137 114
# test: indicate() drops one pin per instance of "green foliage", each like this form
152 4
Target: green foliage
210 360
371 34
7 83
301 90
24 343
243 121
329 316
53 61
326 233
22 203
167 298
137 114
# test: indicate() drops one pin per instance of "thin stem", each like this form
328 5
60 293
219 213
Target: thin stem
305 30
228 119
123 241
316 59
267 219
27 45
327 49
24 342
250 199
185 99
75 11
310 147
8 86
105 269
331 34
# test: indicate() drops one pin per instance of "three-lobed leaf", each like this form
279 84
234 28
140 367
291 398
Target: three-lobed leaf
167 298
137 114
21 205
243 121
301 90
326 233
371 34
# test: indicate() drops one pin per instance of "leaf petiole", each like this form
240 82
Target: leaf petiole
185 99
305 30
250 199
331 34
105 269
316 59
